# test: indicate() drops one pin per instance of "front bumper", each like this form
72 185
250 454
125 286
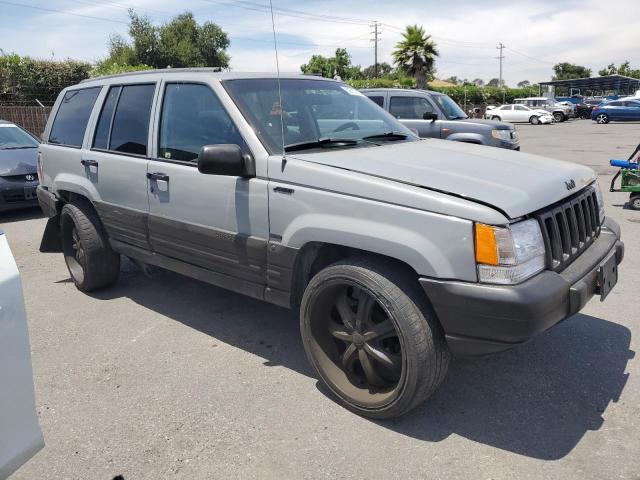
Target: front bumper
480 319
17 194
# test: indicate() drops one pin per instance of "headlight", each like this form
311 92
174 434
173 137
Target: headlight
501 134
509 255
600 200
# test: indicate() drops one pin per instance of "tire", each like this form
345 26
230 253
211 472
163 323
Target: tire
91 262
602 118
534 120
559 117
397 324
585 115
496 118
634 201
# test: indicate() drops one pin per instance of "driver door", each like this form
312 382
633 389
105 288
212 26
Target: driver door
410 110
521 113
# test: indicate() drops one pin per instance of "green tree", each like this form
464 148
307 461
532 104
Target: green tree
319 65
624 69
340 64
415 55
181 42
524 84
494 82
384 71
566 71
478 81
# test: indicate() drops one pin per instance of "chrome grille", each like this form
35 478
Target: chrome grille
569 227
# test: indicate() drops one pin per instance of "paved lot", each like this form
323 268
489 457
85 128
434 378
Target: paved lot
171 378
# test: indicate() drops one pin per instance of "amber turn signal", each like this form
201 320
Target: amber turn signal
486 247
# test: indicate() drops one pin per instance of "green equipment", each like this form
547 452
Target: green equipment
629 175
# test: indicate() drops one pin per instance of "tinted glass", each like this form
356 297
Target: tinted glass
412 108
313 109
13 137
72 117
614 104
101 138
192 116
131 121
378 100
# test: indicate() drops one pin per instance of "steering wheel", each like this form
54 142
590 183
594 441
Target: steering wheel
347 126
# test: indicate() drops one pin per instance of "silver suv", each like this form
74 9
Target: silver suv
396 251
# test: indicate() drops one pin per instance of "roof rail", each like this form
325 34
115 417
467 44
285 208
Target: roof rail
159 70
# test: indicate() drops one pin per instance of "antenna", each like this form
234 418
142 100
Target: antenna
275 44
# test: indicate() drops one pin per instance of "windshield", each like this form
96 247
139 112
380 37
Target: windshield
317 114
13 137
449 107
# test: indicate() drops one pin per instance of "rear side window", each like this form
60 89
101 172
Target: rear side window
72 117
192 117
123 125
377 100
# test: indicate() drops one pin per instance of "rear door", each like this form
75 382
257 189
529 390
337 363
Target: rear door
117 161
216 222
410 110
20 435
632 111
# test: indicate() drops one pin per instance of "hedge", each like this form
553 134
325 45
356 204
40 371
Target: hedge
23 80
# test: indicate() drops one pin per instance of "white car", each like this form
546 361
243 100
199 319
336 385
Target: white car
20 434
519 113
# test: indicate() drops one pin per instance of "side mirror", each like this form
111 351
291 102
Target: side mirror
430 116
226 159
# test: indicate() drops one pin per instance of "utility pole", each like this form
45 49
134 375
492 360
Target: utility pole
500 47
376 36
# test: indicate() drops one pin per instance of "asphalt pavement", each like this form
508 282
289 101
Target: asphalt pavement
171 378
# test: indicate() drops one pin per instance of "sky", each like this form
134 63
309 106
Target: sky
537 33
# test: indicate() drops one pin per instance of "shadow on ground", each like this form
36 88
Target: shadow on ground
537 400
20 215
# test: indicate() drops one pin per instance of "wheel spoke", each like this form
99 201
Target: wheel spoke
380 330
339 331
392 362
369 370
345 312
365 305
346 356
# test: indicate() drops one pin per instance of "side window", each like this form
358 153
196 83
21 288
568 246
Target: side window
72 117
519 107
615 104
506 107
192 117
130 126
101 138
377 100
412 108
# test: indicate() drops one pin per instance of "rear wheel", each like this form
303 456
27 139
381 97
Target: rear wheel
585 115
534 120
602 118
372 337
89 257
496 118
634 201
559 117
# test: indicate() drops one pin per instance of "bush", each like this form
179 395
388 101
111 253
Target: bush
23 80
108 67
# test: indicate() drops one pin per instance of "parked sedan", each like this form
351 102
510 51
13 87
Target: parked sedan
617 111
18 160
519 113
20 434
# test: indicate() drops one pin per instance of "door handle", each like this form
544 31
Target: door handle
89 163
158 176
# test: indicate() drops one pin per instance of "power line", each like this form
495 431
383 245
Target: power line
53 10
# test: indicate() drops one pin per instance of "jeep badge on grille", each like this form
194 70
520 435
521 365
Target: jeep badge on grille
571 184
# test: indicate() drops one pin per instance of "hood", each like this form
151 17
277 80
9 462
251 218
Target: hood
489 123
18 162
515 183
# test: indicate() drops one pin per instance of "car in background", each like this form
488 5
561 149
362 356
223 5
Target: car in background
583 110
559 111
18 167
20 434
617 111
519 113
435 115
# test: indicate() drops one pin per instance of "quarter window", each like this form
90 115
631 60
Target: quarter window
192 117
412 108
72 117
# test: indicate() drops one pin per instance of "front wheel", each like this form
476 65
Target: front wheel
89 257
559 117
371 335
602 118
534 120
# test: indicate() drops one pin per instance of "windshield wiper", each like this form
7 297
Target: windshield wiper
459 118
322 143
387 136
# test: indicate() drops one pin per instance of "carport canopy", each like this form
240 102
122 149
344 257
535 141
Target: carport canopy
608 83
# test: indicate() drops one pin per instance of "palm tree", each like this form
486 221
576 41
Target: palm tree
415 54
